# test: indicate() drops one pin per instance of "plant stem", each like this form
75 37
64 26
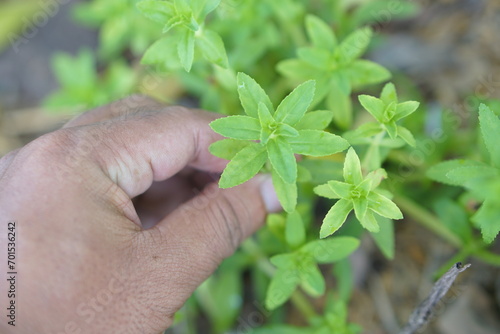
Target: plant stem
298 299
426 219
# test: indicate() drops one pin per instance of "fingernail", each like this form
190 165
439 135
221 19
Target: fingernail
269 195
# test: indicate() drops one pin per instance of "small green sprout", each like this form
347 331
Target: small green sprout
358 193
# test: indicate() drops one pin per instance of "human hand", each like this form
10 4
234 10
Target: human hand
81 198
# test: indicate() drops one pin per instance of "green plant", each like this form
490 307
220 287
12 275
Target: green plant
287 75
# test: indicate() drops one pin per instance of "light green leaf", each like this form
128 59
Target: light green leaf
303 174
295 233
320 34
487 218
265 117
316 57
335 217
311 279
185 49
369 222
244 166
389 94
454 218
341 189
360 207
317 143
212 48
296 69
293 107
315 120
364 72
392 129
183 6
405 109
251 94
407 136
466 176
375 177
283 284
352 168
286 131
161 52
383 206
282 159
227 148
355 44
281 329
237 127
158 11
341 105
286 192
284 261
384 238
373 105
324 190
439 172
332 249
490 129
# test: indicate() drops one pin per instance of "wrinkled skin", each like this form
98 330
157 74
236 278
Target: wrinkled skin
119 218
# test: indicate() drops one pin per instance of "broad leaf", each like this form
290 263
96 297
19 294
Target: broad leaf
383 206
487 218
490 129
311 279
227 148
324 190
237 127
440 171
332 249
317 143
283 284
251 93
315 120
244 166
364 72
373 105
293 107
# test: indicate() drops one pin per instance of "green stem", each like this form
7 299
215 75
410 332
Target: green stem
298 299
425 218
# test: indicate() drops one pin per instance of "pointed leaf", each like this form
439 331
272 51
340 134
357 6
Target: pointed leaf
295 233
335 217
244 166
320 34
405 109
360 207
389 94
185 49
373 105
251 93
158 11
490 129
283 261
407 136
487 218
341 104
212 48
311 279
352 168
383 206
364 72
293 107
375 177
332 249
286 192
296 69
341 189
316 57
317 143
315 120
369 222
355 44
265 117
237 127
384 238
392 129
282 159
281 288
286 131
324 190
227 148
440 171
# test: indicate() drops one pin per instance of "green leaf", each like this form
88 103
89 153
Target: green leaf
311 279
375 177
332 249
185 49
369 222
282 159
364 72
342 189
227 148
286 130
295 233
316 57
373 105
454 218
281 329
296 69
487 218
355 44
324 190
360 207
158 11
389 94
405 109
407 136
466 176
161 51
212 48
392 129
317 143
283 284
341 103
286 192
384 238
284 261
383 206
320 34
490 129
352 168
237 127
293 107
251 93
315 120
439 172
335 217
244 166
265 117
